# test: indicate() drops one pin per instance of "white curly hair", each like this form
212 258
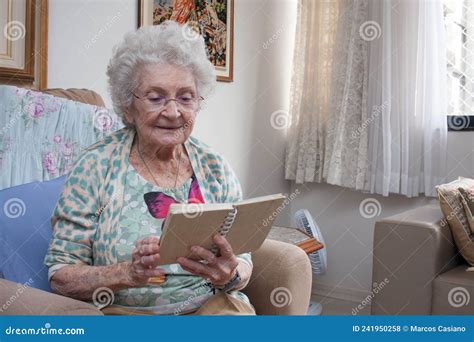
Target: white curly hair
168 43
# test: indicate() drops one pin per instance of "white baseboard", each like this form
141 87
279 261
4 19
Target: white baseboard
342 293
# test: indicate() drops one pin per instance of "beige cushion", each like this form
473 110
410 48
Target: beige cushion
410 250
281 279
453 210
467 196
453 292
16 299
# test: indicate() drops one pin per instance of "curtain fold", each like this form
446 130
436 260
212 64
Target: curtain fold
408 76
345 155
315 39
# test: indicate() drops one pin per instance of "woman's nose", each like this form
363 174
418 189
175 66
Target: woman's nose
171 110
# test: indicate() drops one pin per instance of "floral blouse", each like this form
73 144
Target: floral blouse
103 210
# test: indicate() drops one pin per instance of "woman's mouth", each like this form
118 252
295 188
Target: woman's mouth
168 128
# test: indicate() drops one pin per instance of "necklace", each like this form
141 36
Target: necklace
149 171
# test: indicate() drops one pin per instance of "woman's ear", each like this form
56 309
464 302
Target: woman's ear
128 116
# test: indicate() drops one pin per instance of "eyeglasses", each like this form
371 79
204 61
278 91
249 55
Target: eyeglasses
156 103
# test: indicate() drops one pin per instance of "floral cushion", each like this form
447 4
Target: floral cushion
453 209
42 135
467 197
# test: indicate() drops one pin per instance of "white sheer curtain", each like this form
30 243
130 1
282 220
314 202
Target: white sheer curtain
310 89
345 155
368 96
407 98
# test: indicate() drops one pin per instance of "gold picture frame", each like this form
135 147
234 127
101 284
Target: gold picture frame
24 45
217 26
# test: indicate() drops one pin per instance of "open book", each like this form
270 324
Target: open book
245 225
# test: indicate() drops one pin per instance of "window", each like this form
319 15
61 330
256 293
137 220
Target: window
459 21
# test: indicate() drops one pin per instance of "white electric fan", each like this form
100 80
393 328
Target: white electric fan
318 259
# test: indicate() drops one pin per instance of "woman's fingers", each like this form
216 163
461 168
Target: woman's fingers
150 260
149 249
224 246
145 259
218 269
154 272
149 239
146 255
200 253
194 267
184 267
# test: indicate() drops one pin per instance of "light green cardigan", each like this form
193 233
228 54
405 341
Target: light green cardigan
85 220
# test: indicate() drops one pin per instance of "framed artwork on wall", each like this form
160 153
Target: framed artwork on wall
24 43
213 19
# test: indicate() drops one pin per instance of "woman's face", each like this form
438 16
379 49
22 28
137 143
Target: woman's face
171 124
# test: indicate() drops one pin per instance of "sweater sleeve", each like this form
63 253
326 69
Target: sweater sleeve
75 217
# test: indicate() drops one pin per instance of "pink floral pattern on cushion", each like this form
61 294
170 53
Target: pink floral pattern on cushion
41 135
59 155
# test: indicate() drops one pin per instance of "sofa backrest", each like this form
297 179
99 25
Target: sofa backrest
80 95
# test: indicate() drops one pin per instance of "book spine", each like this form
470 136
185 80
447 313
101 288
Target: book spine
225 227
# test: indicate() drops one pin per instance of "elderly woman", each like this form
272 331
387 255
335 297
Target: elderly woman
108 219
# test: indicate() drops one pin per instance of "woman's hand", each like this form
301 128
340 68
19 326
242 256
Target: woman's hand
145 258
81 281
218 270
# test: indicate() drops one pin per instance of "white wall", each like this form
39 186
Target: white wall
236 120
81 37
